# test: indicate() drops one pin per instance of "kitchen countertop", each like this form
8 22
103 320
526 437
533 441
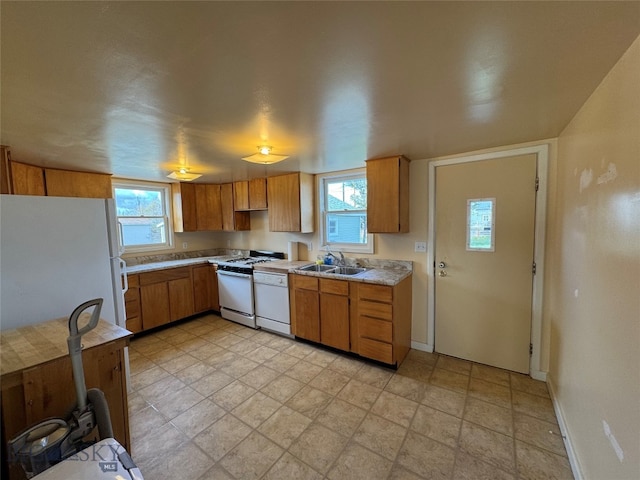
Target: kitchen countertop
380 276
33 345
149 267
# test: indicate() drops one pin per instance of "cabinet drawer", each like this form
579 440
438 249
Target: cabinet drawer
132 308
375 329
375 309
379 293
383 352
305 283
337 287
133 280
134 324
164 275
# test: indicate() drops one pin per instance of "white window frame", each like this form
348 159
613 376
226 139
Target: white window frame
322 180
165 190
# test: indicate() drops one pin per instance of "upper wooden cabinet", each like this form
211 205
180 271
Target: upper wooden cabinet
232 220
206 207
26 179
65 183
291 203
23 179
388 195
250 194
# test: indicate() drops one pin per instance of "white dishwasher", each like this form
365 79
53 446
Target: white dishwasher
271 295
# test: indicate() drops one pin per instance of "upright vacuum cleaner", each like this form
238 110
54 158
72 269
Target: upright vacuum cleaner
53 440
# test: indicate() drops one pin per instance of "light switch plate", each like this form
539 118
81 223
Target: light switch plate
421 247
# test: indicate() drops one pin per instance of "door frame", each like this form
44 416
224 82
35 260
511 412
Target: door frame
542 162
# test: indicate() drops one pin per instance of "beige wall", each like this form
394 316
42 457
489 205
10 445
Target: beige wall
594 290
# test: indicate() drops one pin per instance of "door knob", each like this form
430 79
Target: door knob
442 265
442 273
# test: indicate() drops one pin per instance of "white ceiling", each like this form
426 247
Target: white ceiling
137 88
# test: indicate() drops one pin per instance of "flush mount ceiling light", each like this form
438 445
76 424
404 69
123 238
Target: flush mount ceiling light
265 156
184 175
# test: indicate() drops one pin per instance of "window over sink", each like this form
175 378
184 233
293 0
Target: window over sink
142 210
343 210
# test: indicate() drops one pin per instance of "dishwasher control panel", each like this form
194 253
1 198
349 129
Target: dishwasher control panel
268 278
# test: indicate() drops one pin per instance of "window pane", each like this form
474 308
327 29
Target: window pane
346 228
347 194
132 202
143 231
480 224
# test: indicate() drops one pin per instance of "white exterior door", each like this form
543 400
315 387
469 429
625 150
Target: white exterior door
484 251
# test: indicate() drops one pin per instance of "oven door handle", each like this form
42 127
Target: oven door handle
234 274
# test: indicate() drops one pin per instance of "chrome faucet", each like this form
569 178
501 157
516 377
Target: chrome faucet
341 261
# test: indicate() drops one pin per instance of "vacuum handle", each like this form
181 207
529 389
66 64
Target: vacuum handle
74 342
75 315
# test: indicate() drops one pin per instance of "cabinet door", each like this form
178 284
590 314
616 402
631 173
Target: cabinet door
65 183
284 203
258 194
180 298
307 311
334 320
388 195
185 215
202 288
232 220
241 195
208 207
155 304
27 179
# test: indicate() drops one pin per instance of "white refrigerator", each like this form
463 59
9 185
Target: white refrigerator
56 253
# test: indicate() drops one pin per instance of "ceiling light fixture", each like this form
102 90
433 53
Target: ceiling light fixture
265 156
183 175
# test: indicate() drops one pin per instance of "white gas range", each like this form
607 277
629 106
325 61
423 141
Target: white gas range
236 286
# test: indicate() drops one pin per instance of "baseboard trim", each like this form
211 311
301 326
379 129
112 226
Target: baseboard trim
538 375
568 445
424 347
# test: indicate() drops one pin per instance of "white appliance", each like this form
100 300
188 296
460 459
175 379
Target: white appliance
235 286
271 294
56 253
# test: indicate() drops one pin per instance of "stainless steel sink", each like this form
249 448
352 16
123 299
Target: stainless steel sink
317 268
347 270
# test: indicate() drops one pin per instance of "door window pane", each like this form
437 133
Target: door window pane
481 224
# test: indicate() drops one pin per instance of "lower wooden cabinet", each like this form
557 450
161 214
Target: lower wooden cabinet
162 296
205 288
305 307
371 320
132 304
334 313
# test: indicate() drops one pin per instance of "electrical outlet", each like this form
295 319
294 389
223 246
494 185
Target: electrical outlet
184 245
421 247
309 246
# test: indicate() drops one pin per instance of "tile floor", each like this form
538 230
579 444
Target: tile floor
214 400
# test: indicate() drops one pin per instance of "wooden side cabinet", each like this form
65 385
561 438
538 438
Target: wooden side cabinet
388 195
42 385
291 203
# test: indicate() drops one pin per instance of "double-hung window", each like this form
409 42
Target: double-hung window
343 209
142 210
